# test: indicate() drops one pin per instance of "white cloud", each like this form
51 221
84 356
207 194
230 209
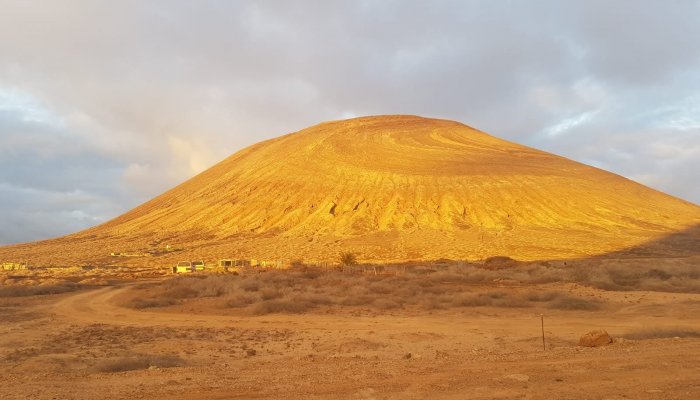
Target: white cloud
191 155
567 124
29 108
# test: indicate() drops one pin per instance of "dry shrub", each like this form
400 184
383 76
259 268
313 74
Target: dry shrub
655 273
498 262
348 259
459 275
199 286
626 275
137 362
361 300
542 296
562 301
409 292
442 277
310 273
432 303
435 290
285 306
270 294
659 333
381 287
574 303
621 275
249 285
180 288
471 300
386 304
140 302
180 293
317 299
506 299
36 290
491 299
241 300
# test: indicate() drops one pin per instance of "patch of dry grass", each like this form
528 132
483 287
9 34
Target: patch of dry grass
617 275
297 292
289 306
628 275
490 299
137 362
662 333
566 302
40 289
424 286
140 302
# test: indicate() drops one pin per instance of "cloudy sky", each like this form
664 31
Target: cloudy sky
105 104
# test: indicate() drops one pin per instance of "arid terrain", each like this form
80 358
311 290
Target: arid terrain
441 330
365 222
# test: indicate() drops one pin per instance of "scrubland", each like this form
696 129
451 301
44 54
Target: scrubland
258 293
437 286
440 330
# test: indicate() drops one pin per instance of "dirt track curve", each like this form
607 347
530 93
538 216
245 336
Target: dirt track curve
477 353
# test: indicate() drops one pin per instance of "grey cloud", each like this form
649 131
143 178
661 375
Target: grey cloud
149 93
42 213
639 42
51 183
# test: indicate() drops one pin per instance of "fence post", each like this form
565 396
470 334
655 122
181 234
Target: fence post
544 347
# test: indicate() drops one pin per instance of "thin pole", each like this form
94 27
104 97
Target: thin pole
542 320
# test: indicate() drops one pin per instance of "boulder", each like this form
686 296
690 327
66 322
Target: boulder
595 339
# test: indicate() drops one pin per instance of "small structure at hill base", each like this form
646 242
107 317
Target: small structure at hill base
228 265
595 338
130 254
274 264
198 265
13 266
189 266
183 267
267 264
237 264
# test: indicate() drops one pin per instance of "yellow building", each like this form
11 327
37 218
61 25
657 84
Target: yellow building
183 267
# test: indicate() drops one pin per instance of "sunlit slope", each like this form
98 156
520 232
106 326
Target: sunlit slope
397 188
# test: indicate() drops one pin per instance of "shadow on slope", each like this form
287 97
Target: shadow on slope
685 243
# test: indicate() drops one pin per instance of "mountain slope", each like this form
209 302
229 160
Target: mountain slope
391 188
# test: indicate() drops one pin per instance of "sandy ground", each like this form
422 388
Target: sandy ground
72 346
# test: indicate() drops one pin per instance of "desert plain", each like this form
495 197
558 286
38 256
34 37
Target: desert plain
442 330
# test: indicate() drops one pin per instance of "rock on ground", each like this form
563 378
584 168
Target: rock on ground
595 339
